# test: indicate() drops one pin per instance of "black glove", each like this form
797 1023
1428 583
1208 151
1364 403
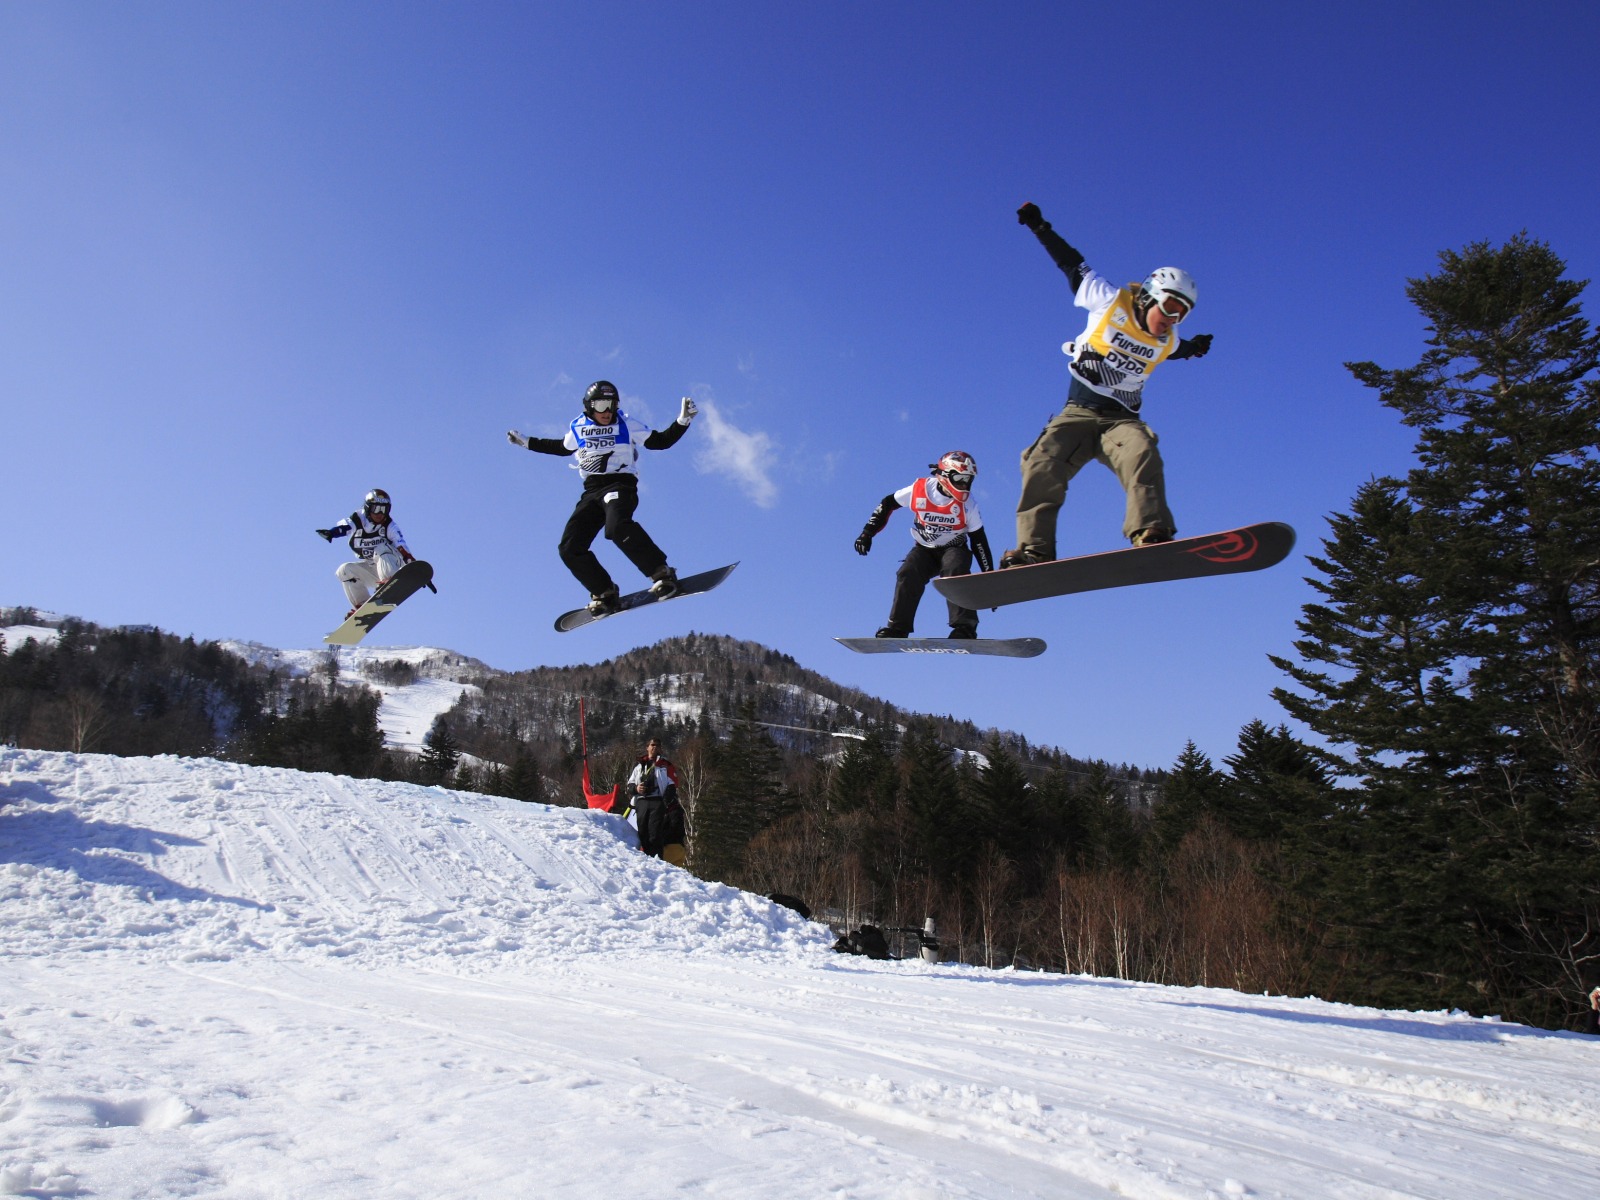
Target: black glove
1030 216
864 543
1198 345
325 534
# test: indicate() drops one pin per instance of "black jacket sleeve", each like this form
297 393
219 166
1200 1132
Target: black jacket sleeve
1065 257
979 541
660 439
1189 349
880 515
548 446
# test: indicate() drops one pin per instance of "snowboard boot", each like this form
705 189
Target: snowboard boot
892 631
1152 536
1020 557
664 582
603 604
964 632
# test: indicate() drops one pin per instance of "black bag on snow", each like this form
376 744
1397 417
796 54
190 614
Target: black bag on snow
868 941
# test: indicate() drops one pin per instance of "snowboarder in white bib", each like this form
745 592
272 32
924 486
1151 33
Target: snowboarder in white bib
377 541
1131 331
605 444
947 533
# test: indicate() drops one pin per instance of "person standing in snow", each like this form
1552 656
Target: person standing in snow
1591 1019
652 787
1131 331
379 544
605 442
944 524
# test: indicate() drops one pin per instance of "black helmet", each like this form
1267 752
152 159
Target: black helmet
602 393
377 500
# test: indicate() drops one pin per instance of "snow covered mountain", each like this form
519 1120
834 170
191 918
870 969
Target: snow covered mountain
221 980
438 678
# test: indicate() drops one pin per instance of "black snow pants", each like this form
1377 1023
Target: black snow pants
607 503
921 565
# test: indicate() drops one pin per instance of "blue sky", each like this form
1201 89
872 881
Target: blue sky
259 258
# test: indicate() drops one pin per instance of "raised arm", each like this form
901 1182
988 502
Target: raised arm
660 439
1065 256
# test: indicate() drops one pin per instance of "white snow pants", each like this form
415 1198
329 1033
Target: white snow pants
360 577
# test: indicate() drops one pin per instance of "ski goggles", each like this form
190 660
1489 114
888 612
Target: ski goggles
961 479
1173 308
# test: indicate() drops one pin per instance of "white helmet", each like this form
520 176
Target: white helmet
1169 281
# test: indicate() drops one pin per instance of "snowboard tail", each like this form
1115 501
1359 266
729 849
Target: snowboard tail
387 597
1250 548
691 585
999 647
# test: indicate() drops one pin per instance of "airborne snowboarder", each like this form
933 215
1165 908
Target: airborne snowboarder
1131 331
605 442
944 523
379 545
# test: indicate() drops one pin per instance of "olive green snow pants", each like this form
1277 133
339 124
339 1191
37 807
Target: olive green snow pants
1073 437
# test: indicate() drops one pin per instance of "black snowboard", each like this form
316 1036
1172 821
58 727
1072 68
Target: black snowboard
1249 549
1002 647
691 585
387 597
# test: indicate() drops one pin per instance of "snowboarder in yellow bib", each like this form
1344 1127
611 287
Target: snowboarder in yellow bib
1131 331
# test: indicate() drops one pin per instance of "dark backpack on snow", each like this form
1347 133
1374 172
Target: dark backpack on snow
868 940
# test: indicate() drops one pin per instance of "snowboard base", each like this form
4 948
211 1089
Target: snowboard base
998 647
691 585
388 596
1250 548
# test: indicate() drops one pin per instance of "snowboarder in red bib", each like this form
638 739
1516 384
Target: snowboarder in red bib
947 532
1131 331
378 543
605 443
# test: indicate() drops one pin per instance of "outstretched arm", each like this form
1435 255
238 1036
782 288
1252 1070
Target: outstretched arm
1064 255
538 445
1192 347
878 519
660 439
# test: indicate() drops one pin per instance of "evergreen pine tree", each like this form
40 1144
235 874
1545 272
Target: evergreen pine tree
745 796
1455 665
1192 789
1278 785
1006 811
1109 838
522 777
940 823
864 776
440 753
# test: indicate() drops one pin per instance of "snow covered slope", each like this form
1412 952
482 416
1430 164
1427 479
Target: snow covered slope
244 982
408 709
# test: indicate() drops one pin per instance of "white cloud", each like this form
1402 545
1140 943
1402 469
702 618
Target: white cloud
746 458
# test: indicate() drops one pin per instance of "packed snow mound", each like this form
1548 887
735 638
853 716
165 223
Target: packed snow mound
228 981
199 860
